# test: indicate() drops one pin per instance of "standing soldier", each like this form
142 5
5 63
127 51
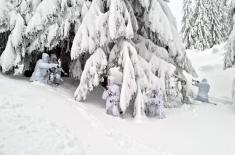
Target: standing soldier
160 105
154 104
112 93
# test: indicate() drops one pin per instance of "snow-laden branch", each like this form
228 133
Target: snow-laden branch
91 75
100 28
12 54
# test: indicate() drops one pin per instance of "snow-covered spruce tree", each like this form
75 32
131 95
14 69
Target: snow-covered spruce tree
11 56
226 7
138 36
4 21
46 24
4 16
16 15
229 59
202 27
187 23
229 5
217 13
53 25
203 23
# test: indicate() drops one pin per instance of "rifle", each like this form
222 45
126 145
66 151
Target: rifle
195 82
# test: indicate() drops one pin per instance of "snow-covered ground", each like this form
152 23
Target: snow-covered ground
209 65
41 120
36 119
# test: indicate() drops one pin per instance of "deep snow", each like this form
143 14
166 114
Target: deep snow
39 119
209 65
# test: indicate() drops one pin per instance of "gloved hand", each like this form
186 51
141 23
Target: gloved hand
195 82
109 93
53 65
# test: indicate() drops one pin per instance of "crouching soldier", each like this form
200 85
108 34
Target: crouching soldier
203 90
55 72
154 104
112 97
40 72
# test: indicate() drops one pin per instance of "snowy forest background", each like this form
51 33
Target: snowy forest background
139 36
153 50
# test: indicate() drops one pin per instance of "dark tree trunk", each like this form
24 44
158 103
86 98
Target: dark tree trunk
3 40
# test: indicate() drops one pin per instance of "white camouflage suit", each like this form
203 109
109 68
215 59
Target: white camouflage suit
40 72
55 73
154 104
112 97
203 90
